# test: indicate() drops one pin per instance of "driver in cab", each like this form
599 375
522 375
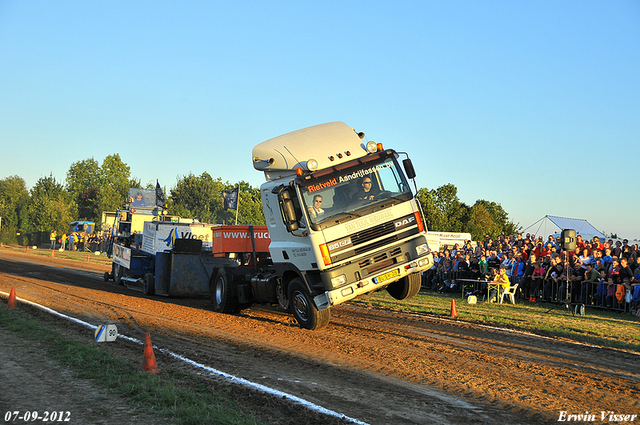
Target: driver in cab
367 193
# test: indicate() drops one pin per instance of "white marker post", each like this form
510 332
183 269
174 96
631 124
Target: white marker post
106 333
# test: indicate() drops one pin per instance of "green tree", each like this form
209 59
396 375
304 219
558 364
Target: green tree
502 224
14 198
97 188
197 197
201 197
115 181
481 222
249 206
83 183
443 210
50 207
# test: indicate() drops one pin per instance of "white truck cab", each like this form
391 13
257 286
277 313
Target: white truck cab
342 219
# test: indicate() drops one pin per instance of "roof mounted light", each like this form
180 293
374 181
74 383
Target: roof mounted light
372 147
312 165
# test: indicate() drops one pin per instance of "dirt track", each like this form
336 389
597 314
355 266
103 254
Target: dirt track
374 365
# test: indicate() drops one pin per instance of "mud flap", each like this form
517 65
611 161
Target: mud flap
322 301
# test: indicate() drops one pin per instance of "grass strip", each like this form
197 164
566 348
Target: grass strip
153 393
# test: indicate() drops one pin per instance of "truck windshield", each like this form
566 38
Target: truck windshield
353 189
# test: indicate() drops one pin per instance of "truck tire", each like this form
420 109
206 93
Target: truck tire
303 309
406 287
149 284
224 296
118 272
106 276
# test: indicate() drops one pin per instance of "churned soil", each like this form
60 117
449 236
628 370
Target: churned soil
373 365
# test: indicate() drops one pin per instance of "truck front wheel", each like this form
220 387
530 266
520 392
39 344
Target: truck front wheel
306 314
406 287
224 296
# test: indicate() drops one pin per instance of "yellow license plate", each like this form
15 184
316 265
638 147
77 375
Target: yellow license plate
386 276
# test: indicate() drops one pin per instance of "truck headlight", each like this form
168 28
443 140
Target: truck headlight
423 249
424 262
339 281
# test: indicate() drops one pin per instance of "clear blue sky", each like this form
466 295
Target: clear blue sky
532 104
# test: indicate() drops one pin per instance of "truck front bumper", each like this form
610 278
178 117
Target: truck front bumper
374 282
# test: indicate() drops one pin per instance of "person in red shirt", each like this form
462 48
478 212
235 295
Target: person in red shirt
540 250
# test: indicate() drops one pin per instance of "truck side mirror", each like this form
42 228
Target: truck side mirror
408 168
288 211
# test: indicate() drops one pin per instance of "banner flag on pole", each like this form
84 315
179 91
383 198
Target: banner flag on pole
230 198
159 195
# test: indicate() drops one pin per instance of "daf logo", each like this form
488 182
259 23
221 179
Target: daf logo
405 221
339 244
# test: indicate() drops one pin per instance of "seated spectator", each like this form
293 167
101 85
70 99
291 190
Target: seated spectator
555 280
573 277
597 243
493 262
617 250
527 275
613 273
586 258
517 272
611 294
539 250
590 284
507 263
478 251
536 281
607 258
483 268
503 280
625 272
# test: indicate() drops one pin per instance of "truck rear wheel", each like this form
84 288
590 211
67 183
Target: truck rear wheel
303 309
118 272
224 296
148 286
406 287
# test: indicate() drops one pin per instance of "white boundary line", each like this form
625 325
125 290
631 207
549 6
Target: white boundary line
309 405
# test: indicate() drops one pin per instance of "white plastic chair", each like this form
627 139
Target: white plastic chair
511 292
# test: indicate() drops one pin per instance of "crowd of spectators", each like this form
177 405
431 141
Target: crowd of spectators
596 273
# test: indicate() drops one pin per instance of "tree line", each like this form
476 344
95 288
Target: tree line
91 188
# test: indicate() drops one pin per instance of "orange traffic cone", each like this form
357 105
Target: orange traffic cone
27 250
454 311
53 253
88 257
12 299
149 362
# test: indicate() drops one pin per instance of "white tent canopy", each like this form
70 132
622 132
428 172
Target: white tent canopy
552 225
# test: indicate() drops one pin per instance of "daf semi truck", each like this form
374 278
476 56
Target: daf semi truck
341 221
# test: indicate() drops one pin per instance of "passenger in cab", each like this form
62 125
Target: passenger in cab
316 209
